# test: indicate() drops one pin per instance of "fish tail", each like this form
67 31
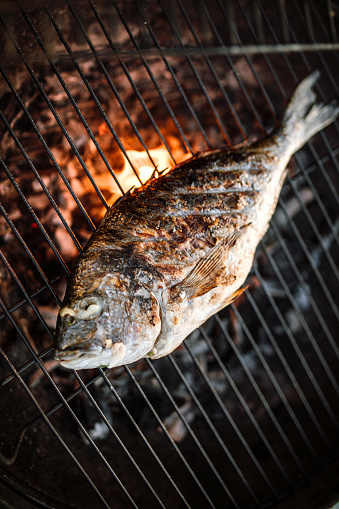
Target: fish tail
303 117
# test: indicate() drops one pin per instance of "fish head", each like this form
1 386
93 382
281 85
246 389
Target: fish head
115 321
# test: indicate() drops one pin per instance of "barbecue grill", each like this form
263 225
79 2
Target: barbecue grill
94 98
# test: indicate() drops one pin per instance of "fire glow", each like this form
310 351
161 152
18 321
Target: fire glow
131 170
144 164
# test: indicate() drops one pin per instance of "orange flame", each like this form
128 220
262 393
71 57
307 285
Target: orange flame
142 163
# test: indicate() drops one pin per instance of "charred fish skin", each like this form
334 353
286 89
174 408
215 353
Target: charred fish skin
175 251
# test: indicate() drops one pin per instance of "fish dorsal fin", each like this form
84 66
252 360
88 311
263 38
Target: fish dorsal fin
203 276
244 144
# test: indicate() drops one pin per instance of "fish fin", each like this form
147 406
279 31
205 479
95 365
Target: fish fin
203 276
121 198
303 117
235 295
246 143
206 153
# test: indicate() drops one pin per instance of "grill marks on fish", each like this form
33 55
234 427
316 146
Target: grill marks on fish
210 204
181 216
223 179
164 202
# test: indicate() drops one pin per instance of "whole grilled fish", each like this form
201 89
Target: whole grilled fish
172 253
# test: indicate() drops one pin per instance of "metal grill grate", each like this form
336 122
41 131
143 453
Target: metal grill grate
245 413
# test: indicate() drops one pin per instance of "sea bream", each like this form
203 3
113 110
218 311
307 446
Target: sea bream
175 251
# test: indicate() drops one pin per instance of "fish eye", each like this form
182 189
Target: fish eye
90 307
68 320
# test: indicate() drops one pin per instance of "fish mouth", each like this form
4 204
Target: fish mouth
94 356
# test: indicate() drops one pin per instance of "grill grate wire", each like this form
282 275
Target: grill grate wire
235 462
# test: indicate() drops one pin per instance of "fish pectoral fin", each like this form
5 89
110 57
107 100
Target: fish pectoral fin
203 276
235 295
